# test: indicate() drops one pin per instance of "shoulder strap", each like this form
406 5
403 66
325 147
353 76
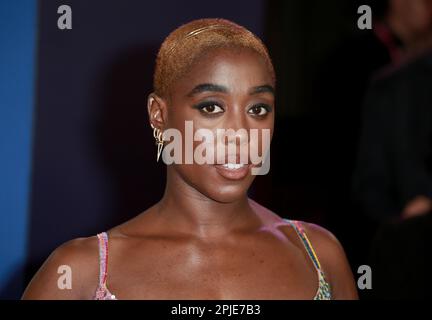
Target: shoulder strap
308 246
103 258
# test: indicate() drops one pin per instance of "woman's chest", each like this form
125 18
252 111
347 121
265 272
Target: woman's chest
251 273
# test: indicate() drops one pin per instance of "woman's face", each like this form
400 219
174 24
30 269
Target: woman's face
224 89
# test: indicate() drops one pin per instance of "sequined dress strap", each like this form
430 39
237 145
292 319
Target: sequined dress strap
102 292
324 289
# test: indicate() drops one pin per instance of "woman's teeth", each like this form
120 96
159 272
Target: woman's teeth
233 166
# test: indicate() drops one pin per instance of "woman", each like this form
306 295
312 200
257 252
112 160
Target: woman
205 239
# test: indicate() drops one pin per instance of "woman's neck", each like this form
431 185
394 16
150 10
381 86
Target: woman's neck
194 213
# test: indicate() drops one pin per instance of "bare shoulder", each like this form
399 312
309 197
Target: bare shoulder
333 261
329 250
324 239
264 213
70 272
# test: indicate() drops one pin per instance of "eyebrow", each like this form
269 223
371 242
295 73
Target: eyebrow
263 89
205 87
211 87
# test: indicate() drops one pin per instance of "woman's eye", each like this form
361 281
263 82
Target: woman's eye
259 110
211 108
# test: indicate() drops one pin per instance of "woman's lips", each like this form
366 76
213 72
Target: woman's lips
233 171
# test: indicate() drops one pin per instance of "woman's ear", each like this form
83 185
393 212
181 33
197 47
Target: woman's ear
157 111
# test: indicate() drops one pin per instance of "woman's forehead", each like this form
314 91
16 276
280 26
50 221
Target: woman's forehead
231 69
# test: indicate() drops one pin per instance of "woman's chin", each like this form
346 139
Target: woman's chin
224 188
227 193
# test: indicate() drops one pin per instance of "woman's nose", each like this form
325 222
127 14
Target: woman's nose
237 116
237 121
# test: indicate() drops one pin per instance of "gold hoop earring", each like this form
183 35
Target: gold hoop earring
158 135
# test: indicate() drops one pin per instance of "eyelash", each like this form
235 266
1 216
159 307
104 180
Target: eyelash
263 107
201 107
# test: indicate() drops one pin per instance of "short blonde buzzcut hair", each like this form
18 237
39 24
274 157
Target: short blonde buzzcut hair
189 41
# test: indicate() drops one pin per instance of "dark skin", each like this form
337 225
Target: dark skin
205 239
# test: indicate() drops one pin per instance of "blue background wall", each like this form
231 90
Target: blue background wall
17 57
